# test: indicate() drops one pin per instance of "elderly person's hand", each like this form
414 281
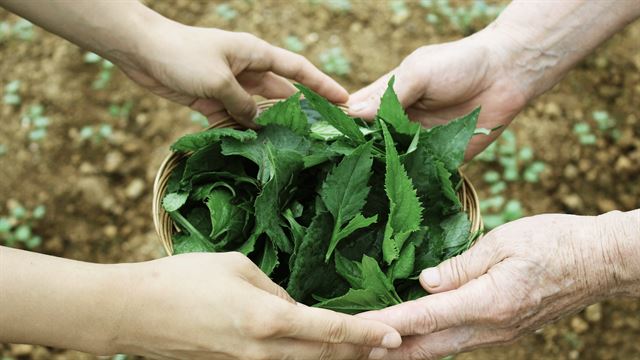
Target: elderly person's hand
522 54
517 278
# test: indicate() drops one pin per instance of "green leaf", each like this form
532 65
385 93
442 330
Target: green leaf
392 112
448 142
377 292
405 210
287 113
269 259
174 201
403 268
344 193
309 273
350 270
194 142
333 115
193 241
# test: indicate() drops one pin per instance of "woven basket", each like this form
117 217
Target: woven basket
164 224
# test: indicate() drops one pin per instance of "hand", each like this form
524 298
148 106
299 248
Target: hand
213 70
438 83
221 306
517 278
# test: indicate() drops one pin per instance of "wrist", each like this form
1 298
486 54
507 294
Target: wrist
620 236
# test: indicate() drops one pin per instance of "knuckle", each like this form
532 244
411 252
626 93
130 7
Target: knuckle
425 323
336 331
421 353
327 351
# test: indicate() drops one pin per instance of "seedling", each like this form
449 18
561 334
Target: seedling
399 9
21 30
16 228
3 149
226 12
334 62
11 93
467 18
37 122
106 69
121 111
96 134
293 43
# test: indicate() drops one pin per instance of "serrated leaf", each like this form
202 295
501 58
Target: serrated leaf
377 292
269 259
194 142
448 142
287 113
403 268
333 114
350 270
344 193
392 112
405 210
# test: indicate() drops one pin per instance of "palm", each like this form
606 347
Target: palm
441 82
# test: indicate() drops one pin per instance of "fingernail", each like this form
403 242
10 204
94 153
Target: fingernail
391 340
431 277
359 106
377 353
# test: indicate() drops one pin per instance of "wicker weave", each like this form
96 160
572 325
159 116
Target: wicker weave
165 227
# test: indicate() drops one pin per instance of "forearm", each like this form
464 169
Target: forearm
619 236
546 39
113 29
57 302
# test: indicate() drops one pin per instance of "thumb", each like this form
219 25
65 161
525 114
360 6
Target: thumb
365 102
457 271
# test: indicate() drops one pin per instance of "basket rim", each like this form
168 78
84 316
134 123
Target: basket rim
165 227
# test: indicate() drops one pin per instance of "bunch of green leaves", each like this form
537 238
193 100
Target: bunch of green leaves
16 228
36 121
342 213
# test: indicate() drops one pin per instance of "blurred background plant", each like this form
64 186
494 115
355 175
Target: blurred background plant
17 226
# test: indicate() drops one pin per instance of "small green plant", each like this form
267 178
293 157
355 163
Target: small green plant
96 134
21 30
515 164
121 110
199 119
334 62
585 136
606 124
37 122
468 17
226 12
106 70
293 43
11 93
3 149
399 9
338 5
16 228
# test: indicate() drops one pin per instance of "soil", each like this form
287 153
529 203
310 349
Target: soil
98 194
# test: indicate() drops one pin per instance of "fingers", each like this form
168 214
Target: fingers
365 102
320 325
273 86
303 350
469 304
298 68
449 342
457 271
238 103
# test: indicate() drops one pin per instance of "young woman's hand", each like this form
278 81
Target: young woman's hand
221 306
214 71
517 278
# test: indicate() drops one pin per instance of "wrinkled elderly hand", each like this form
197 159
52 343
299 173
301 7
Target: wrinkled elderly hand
438 83
517 278
222 306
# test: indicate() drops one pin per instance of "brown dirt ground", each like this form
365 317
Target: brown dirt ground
92 217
